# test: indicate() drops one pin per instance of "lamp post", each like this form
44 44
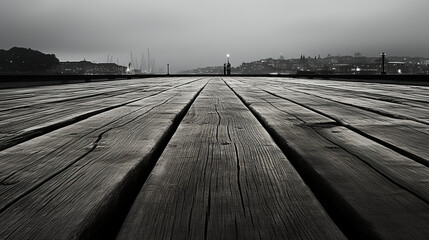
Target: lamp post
228 65
383 55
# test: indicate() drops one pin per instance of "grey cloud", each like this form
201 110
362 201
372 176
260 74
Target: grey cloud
193 33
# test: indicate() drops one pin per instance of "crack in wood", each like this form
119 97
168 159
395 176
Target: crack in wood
94 145
290 153
368 229
33 133
105 218
238 179
207 219
381 112
356 130
218 124
374 168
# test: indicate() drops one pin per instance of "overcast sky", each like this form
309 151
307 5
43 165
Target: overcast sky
197 33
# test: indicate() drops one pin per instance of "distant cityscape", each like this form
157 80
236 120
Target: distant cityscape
357 64
27 61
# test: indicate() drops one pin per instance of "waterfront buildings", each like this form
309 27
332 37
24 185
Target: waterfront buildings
356 64
88 68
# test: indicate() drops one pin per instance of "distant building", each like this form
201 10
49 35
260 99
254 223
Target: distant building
366 68
357 64
397 68
342 68
107 68
88 68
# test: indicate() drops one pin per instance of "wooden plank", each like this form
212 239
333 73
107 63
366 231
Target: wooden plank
409 92
399 92
222 177
76 181
79 93
391 164
398 168
405 136
94 126
367 187
21 124
389 105
403 171
408 96
418 113
28 97
21 97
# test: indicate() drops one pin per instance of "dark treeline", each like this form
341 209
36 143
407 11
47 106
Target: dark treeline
23 60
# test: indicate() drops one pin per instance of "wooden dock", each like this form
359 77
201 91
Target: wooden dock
215 158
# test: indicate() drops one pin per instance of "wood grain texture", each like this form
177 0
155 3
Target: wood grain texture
24 97
375 191
222 177
361 149
394 129
396 102
38 114
66 184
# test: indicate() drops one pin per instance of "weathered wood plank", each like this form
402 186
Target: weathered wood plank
73 182
400 92
385 160
411 97
405 136
19 125
398 168
28 97
389 105
394 109
80 94
370 193
222 177
21 97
